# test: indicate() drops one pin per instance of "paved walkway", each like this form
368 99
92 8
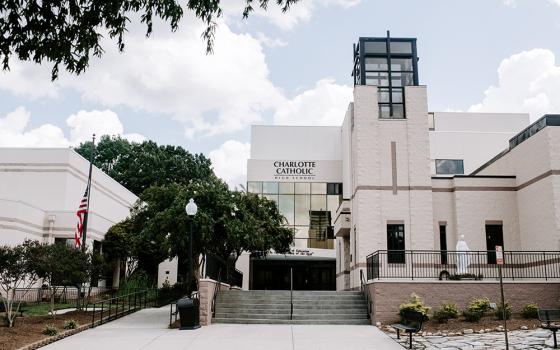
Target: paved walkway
147 329
530 339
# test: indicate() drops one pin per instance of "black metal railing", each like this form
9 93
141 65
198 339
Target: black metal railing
215 295
121 305
62 294
365 291
436 264
214 265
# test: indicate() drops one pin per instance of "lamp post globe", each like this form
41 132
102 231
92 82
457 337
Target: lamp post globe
191 208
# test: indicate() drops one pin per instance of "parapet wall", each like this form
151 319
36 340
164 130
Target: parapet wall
388 295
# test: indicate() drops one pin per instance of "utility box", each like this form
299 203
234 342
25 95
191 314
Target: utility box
189 313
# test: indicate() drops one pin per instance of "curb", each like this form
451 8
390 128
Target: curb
52 339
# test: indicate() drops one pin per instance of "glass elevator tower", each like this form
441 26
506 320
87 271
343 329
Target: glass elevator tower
390 64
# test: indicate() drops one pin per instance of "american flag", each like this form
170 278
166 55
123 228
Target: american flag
82 210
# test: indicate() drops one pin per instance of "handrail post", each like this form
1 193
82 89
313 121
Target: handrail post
411 263
291 293
544 263
102 307
93 316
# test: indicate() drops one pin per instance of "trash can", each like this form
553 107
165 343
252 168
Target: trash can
189 313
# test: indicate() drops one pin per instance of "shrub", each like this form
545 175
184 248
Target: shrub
414 304
50 330
447 311
476 309
530 311
71 324
500 311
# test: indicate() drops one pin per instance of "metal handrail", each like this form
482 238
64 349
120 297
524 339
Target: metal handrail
365 290
216 290
421 264
291 293
122 305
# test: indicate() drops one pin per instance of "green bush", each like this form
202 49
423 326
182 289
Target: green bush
530 311
476 309
414 304
50 330
500 311
447 312
71 324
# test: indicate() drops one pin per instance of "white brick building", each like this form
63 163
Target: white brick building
41 188
406 179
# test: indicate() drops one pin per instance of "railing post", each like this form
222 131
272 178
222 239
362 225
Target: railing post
291 293
545 270
411 263
102 307
93 316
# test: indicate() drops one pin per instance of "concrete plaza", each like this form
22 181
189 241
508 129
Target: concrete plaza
147 329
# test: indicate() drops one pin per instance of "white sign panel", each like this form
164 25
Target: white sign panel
294 170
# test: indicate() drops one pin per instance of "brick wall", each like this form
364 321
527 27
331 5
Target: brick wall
387 296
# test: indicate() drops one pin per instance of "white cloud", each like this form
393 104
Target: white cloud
14 133
527 82
325 104
270 42
28 79
299 12
230 162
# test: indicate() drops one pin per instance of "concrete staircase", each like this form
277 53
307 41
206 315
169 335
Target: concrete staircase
273 307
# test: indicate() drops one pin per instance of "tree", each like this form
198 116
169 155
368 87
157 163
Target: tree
138 166
68 32
227 223
19 268
61 265
117 247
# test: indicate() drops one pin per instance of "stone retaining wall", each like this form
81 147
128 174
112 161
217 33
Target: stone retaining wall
388 295
206 288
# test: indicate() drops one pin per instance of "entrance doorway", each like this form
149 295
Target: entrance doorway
494 237
274 274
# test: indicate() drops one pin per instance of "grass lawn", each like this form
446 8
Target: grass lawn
44 308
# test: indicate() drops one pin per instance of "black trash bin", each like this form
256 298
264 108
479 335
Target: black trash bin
189 313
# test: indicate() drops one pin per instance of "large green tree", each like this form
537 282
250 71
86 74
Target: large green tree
68 32
138 166
227 223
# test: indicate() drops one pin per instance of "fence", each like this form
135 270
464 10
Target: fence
216 268
428 264
121 305
62 294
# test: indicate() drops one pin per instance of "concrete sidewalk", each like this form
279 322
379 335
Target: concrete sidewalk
147 329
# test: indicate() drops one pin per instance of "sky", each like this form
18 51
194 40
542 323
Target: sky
286 69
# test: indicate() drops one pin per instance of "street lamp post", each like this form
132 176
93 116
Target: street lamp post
191 210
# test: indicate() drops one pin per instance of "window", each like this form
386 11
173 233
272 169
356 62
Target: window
401 47
270 187
395 244
375 47
254 187
449 166
443 243
286 188
334 188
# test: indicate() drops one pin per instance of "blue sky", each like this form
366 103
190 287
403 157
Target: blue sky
479 55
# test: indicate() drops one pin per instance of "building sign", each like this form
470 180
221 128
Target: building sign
294 170
499 255
304 252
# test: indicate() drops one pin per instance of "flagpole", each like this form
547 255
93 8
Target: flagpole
84 232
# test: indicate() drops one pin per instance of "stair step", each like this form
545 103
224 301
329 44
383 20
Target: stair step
315 322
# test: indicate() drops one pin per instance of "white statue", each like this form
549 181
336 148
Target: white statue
463 257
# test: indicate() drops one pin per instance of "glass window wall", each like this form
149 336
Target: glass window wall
307 207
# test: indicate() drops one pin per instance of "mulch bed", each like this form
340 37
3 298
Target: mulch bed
487 322
28 329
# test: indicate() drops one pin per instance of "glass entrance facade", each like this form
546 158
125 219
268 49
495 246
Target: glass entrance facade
308 207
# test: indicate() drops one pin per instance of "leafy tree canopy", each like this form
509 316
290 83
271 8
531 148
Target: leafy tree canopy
226 224
138 166
68 32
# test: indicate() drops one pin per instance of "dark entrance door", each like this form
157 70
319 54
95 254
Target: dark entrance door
395 244
443 243
308 274
494 237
